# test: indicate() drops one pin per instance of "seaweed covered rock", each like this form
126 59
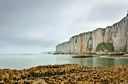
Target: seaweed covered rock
66 74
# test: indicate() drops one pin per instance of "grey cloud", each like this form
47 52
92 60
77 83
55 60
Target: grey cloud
41 24
28 42
107 12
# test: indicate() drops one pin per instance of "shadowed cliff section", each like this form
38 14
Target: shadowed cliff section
87 42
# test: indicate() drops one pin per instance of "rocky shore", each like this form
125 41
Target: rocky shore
66 74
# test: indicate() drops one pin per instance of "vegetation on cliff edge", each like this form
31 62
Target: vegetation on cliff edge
105 47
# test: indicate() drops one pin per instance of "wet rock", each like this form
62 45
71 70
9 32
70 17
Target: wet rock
66 74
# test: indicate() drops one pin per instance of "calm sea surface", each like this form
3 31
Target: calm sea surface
28 61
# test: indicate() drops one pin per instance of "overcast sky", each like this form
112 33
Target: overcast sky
34 26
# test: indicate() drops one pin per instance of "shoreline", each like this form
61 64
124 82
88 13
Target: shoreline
110 54
66 74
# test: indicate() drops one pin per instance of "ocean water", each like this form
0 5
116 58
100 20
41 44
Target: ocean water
15 61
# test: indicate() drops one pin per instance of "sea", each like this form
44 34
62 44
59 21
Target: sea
25 61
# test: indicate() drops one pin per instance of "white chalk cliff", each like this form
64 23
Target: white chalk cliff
87 42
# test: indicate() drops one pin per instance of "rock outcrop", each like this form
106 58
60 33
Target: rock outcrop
66 74
87 42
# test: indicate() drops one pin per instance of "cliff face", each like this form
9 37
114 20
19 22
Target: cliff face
87 42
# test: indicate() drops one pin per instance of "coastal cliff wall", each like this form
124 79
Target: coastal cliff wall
101 39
